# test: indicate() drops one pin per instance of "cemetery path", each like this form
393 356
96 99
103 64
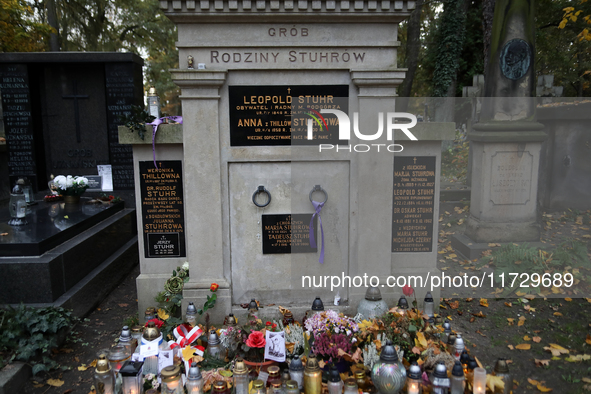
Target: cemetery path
525 331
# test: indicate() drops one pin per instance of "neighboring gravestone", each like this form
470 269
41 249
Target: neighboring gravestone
506 141
61 113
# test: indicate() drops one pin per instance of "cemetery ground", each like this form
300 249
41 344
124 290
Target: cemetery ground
546 335
526 330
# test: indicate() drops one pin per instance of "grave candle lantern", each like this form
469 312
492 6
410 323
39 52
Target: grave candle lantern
479 381
151 333
125 339
104 379
240 377
388 375
335 383
17 205
372 305
402 303
230 321
458 383
312 376
446 331
171 380
154 103
258 387
195 380
191 315
292 387
502 371
429 305
296 371
131 373
213 346
458 347
149 314
414 379
351 386
439 379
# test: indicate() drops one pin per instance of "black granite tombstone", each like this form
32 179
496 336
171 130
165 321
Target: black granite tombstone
61 113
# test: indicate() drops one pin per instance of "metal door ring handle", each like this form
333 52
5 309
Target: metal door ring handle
317 188
261 189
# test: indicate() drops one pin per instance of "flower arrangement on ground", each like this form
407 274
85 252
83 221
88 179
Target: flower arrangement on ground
331 334
70 185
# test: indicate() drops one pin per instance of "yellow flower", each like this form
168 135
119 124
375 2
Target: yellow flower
162 314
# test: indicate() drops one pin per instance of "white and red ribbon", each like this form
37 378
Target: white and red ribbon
185 335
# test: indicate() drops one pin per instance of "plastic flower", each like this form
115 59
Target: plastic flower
157 322
174 285
185 266
407 290
256 339
213 288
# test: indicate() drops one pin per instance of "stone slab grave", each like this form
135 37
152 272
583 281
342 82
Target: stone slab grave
261 67
61 113
67 254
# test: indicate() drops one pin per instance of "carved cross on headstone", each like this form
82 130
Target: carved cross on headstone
75 97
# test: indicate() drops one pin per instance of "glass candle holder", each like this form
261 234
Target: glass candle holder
479 381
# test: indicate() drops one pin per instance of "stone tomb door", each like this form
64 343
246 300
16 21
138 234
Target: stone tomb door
261 267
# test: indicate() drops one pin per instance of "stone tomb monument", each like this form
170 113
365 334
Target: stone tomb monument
263 67
61 113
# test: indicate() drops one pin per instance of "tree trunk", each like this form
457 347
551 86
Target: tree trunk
54 44
413 46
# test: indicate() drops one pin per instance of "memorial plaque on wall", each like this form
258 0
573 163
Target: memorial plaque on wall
163 219
18 122
413 203
262 115
288 233
120 86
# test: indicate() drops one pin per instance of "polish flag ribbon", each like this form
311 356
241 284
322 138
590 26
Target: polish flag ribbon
185 335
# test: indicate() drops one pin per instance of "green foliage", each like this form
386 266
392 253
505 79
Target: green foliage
136 120
29 334
454 161
20 28
449 43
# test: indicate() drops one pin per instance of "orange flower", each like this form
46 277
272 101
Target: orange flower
214 287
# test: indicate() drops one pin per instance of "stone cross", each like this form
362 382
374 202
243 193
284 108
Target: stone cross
75 97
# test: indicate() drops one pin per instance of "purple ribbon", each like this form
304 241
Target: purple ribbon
318 207
155 124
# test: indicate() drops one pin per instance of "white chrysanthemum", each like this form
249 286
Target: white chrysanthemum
81 181
185 265
69 181
60 182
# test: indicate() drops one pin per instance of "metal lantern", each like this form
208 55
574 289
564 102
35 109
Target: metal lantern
195 380
439 379
388 374
428 305
502 371
136 335
149 314
131 373
317 305
258 387
464 360
458 382
191 315
151 334
213 345
17 205
312 376
451 340
414 379
372 305
118 355
104 378
472 364
291 387
240 377
296 371
171 380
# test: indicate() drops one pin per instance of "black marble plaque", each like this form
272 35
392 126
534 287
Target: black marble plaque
120 84
163 218
413 203
277 115
288 233
18 122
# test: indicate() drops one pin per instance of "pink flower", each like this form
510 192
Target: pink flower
407 290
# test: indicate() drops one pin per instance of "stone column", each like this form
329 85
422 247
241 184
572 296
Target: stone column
202 185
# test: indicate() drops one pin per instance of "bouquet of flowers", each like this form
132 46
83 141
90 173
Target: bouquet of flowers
69 185
332 334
